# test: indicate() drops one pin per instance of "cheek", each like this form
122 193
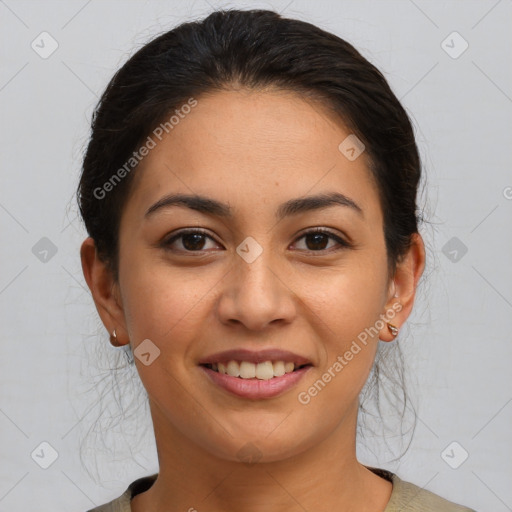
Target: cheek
161 303
351 299
349 346
349 304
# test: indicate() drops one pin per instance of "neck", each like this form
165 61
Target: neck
328 473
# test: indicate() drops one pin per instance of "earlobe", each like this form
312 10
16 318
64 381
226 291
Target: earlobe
103 288
391 322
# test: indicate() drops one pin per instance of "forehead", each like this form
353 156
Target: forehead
244 145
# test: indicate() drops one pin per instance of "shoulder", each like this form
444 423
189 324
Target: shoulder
407 497
122 504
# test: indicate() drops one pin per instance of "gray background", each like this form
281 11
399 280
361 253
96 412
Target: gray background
458 340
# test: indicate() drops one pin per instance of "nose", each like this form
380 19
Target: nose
256 294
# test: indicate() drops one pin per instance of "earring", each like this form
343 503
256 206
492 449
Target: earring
113 339
392 329
123 348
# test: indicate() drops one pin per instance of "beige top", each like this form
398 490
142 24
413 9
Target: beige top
405 497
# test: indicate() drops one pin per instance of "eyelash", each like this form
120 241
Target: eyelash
343 243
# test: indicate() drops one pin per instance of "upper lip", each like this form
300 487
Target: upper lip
255 357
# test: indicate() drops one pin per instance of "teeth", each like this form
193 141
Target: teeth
246 370
264 371
233 369
279 368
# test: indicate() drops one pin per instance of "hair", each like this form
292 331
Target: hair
253 49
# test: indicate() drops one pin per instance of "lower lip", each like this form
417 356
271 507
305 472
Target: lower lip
256 389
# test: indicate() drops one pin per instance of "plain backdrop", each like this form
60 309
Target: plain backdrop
447 61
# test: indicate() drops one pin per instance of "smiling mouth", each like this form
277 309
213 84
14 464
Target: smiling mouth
263 371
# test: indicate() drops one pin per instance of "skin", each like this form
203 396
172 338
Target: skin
254 150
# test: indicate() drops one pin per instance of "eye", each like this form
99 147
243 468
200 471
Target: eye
192 240
316 240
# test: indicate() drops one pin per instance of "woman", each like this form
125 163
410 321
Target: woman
250 194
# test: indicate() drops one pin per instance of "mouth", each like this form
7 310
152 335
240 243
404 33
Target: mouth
256 381
265 370
255 375
262 364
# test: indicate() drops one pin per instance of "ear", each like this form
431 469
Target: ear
402 289
105 292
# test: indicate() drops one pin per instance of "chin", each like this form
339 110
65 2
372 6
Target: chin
258 446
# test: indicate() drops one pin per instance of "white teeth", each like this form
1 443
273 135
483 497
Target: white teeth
246 370
233 369
265 371
279 370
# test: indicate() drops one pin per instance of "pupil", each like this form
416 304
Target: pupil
317 239
196 243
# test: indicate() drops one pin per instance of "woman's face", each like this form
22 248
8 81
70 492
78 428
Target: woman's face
253 280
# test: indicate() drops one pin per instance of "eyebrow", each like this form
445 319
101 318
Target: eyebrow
216 208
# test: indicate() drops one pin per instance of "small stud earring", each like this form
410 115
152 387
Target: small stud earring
113 339
392 329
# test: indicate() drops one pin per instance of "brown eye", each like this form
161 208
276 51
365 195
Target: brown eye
192 240
317 240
